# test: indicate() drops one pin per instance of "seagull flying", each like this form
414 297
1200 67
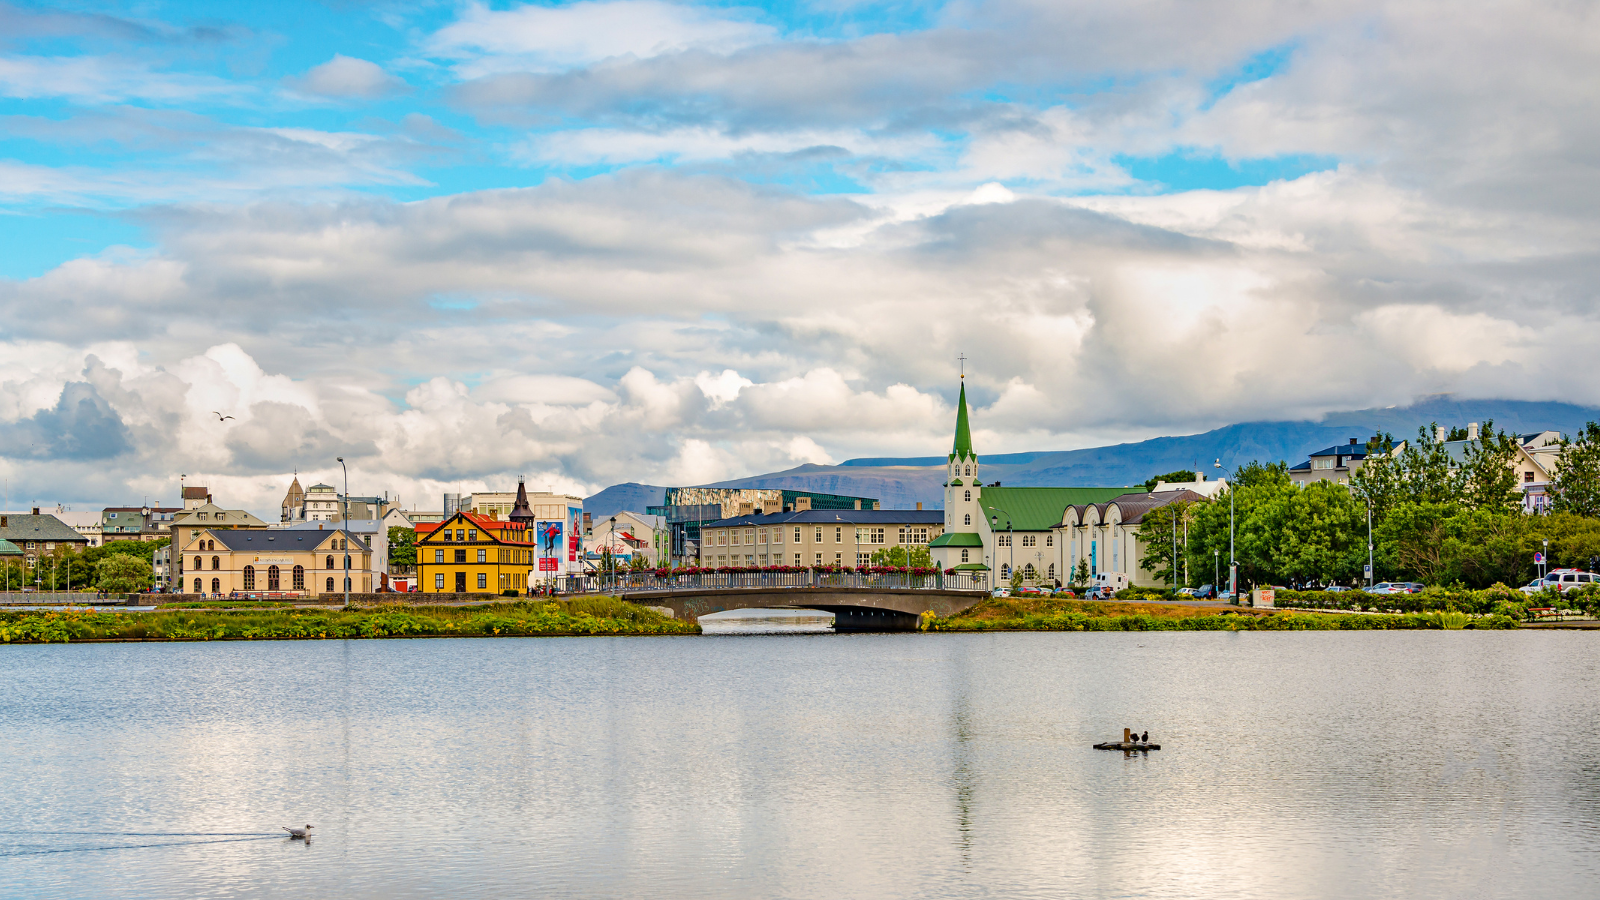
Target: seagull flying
297 833
221 417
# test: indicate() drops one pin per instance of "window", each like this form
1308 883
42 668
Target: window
797 559
1002 540
472 536
197 587
967 519
216 585
199 564
483 556
838 535
1052 572
483 580
272 578
211 545
329 564
818 535
876 535
1322 463
1029 572
1030 540
216 562
763 559
963 556
967 496
446 535
838 559
734 538
750 559
763 535
1005 570
438 557
749 535
461 556
863 559
819 559
1527 477
299 578
249 578
1050 540
777 535
966 470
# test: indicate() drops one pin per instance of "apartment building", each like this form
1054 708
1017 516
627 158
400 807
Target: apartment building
816 537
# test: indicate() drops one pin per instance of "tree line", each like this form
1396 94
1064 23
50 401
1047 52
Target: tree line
118 567
1435 519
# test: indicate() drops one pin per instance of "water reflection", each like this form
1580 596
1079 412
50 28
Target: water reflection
890 765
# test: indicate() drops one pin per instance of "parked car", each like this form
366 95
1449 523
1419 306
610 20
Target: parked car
1065 594
1562 580
1186 592
1031 590
1335 588
1206 592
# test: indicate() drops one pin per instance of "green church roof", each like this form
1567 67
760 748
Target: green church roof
1041 508
956 539
963 445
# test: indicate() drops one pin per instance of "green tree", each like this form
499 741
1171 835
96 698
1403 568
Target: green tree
1378 481
121 573
1080 575
1255 474
1575 484
402 546
1428 474
1487 480
1182 475
915 557
1156 530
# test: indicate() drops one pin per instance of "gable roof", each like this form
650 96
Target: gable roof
484 524
25 527
278 539
215 513
1041 508
1134 506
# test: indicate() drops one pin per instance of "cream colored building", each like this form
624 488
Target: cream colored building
300 561
817 537
498 504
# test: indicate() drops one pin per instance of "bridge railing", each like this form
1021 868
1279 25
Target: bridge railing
625 582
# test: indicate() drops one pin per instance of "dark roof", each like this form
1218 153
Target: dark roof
195 493
838 517
1303 467
284 539
1354 451
24 527
1134 506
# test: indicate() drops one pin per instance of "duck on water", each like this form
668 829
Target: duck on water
1131 740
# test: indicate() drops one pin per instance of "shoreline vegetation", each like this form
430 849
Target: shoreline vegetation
600 615
1045 613
523 618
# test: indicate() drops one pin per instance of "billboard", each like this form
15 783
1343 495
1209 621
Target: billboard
574 533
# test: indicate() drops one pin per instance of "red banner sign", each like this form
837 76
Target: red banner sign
548 563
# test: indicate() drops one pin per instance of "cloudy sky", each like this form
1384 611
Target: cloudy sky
648 241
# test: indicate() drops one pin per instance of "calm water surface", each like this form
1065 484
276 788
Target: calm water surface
1415 764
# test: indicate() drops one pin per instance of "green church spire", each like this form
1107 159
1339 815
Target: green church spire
963 445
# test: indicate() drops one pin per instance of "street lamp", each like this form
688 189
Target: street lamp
1011 539
1233 558
346 539
1371 569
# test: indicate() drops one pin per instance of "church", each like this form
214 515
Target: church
1046 533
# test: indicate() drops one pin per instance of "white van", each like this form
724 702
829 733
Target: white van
1110 582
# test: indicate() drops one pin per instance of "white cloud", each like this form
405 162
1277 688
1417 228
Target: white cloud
105 79
347 78
539 38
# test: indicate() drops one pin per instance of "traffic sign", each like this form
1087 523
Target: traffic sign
1538 559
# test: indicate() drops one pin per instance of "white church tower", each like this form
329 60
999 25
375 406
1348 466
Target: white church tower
961 545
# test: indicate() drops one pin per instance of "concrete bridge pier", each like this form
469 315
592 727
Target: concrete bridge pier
858 618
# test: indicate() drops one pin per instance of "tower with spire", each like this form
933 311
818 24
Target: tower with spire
961 545
522 512
294 502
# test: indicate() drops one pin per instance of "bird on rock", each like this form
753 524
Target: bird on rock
297 833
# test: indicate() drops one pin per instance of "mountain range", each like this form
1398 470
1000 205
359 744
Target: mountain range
902 482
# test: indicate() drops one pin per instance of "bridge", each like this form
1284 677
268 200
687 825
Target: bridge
859 601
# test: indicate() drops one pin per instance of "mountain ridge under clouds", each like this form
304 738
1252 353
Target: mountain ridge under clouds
902 482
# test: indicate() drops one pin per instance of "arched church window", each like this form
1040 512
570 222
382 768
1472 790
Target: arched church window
963 556
968 496
966 470
967 519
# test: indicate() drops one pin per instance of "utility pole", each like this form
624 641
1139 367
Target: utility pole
345 541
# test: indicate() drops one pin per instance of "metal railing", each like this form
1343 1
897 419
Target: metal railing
625 582
54 598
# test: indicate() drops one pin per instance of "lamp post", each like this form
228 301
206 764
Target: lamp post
1371 569
1216 567
611 544
1011 536
1544 566
345 541
1233 558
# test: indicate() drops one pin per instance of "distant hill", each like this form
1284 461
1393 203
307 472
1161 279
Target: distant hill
901 482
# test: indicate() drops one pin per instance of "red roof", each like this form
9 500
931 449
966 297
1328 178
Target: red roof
483 522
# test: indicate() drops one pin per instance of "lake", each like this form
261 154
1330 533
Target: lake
1294 765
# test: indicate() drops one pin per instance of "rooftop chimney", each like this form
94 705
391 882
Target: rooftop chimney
858 506
801 504
36 510
1439 433
1352 442
919 504
1472 431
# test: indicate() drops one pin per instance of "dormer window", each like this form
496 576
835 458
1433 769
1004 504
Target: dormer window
966 470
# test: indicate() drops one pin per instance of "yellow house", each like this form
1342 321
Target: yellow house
472 554
227 560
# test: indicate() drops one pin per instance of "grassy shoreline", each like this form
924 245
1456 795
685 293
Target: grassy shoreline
579 617
1050 614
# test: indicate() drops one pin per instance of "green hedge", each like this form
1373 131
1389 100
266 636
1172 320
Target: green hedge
1497 600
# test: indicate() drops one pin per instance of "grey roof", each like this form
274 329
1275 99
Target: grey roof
357 525
277 539
1354 451
38 528
838 517
1303 467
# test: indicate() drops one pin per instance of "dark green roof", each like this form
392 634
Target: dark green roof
1041 508
9 549
972 566
957 539
963 444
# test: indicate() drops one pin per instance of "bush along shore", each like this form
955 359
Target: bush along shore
1053 614
580 616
